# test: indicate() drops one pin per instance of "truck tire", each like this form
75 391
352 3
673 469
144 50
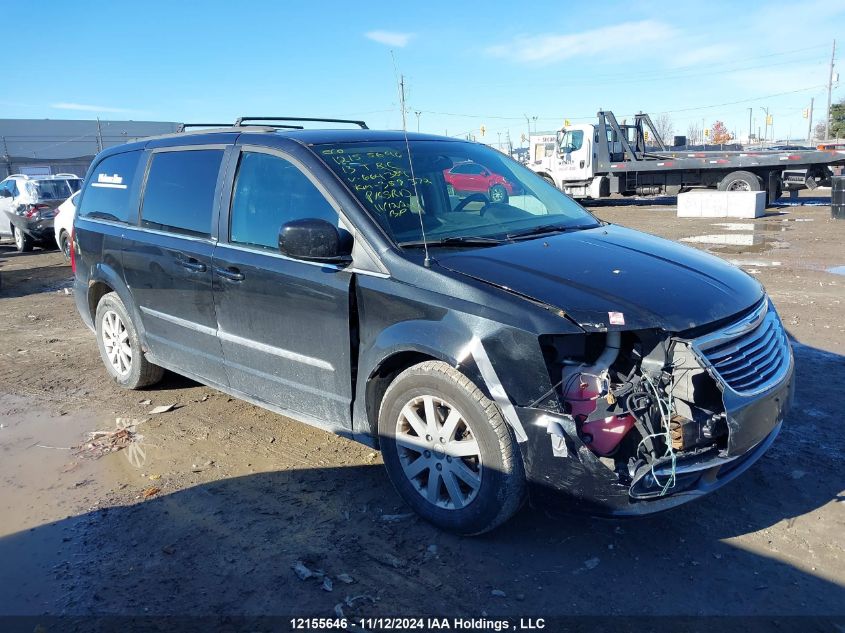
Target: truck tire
740 181
448 451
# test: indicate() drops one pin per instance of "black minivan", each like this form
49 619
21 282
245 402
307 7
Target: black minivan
489 335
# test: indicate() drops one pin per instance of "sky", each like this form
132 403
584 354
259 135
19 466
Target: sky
465 65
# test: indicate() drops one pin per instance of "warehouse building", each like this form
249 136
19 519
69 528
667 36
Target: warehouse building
52 146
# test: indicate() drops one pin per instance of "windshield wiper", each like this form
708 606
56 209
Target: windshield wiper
545 229
456 240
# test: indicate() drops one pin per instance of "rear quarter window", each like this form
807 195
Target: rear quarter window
108 194
179 194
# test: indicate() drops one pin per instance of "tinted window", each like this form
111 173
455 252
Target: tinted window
52 189
179 195
107 194
270 191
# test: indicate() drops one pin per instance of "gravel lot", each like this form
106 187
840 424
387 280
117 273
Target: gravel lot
215 502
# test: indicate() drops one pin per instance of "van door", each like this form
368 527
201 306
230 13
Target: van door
283 323
167 260
575 153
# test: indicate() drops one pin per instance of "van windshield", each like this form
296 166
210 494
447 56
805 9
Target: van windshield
459 190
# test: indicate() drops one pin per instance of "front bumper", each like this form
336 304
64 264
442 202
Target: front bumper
559 465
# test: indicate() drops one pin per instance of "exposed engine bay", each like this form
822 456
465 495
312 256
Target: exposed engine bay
641 402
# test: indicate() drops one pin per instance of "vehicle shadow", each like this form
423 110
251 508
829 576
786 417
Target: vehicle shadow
230 546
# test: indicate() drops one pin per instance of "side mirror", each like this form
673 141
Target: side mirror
312 240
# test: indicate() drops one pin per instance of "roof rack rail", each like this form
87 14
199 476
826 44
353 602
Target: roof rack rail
182 126
240 121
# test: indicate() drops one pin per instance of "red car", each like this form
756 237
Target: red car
469 177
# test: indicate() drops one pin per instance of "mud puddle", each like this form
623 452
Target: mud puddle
743 237
44 484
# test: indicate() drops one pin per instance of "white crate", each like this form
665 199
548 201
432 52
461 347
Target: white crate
721 204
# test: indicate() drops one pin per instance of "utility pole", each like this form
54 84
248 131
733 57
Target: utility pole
418 113
7 158
829 87
499 134
750 111
765 123
810 117
528 123
99 136
535 124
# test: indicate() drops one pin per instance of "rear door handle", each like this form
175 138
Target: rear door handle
192 265
232 274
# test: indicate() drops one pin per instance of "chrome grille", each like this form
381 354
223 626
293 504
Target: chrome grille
750 355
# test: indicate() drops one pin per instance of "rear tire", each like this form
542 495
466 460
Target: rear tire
64 245
23 242
120 347
448 451
741 181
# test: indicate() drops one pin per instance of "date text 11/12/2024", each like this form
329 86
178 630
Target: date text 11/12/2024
417 624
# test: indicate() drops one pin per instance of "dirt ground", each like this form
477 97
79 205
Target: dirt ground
215 502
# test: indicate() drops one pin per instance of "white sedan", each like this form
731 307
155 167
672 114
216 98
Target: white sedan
63 224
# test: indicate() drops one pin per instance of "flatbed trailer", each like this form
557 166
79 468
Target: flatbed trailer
598 160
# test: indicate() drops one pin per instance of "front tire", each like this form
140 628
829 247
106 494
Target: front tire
23 242
120 347
448 451
498 194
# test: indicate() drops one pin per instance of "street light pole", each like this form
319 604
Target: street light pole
418 113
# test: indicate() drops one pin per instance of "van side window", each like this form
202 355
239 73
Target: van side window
108 191
179 195
270 191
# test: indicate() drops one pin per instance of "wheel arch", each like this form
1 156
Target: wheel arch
103 280
391 363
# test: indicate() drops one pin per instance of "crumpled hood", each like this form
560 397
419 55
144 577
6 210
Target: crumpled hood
652 282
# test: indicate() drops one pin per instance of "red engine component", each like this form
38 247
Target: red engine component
601 436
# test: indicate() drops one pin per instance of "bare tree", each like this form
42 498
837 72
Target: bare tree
818 131
693 134
664 127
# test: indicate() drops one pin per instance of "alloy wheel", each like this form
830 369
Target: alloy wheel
497 194
438 452
116 343
739 185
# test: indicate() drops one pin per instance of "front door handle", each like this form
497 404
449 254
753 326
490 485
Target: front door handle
232 274
192 265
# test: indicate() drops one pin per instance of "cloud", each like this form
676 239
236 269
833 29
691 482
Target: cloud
549 48
710 53
390 38
89 108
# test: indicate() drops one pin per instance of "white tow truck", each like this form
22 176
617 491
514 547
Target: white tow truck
595 160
